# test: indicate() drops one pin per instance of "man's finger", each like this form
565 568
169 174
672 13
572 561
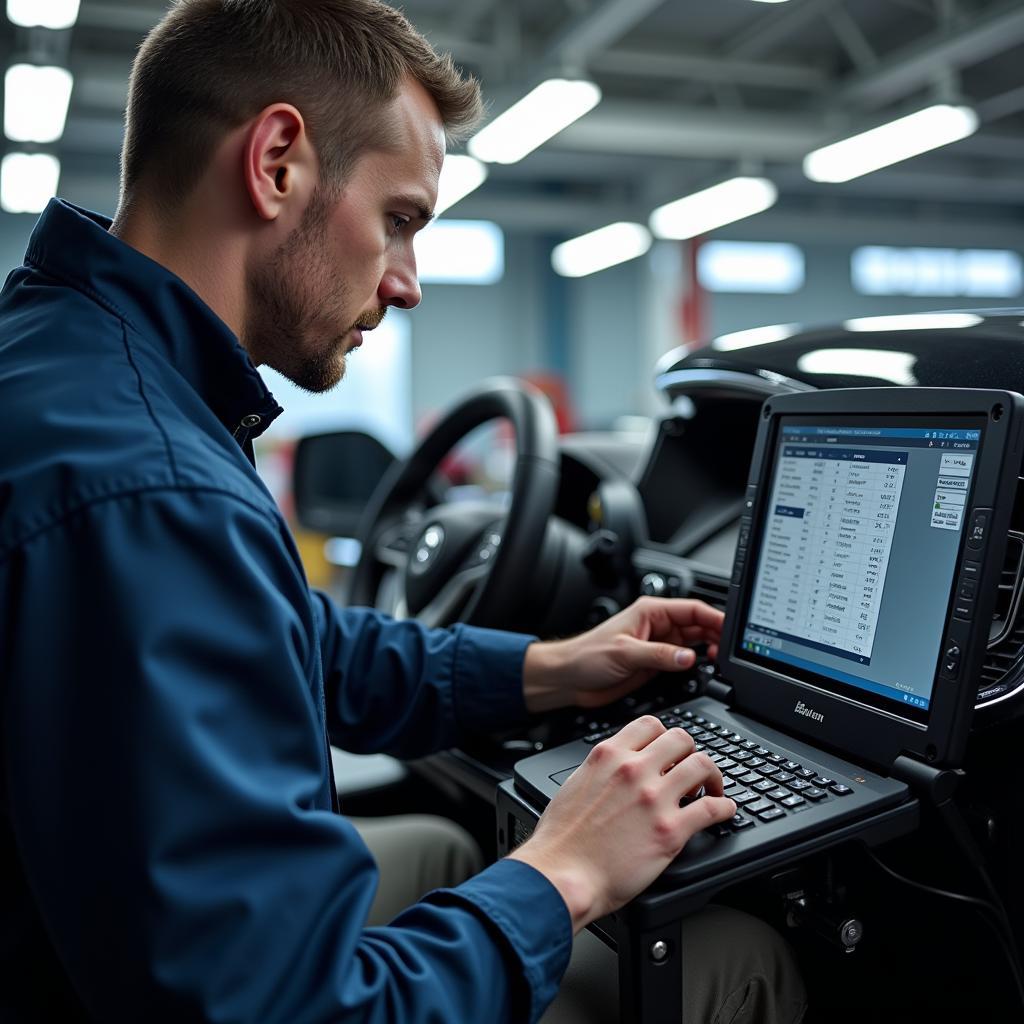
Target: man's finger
669 749
693 772
639 733
657 656
687 612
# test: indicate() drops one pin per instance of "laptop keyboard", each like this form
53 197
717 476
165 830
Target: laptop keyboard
766 785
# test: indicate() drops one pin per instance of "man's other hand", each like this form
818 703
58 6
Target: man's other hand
652 635
617 822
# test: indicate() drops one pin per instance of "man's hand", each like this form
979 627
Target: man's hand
652 635
616 823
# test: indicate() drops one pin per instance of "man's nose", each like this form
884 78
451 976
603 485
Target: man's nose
400 286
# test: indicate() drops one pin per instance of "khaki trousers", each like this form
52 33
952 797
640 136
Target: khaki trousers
738 970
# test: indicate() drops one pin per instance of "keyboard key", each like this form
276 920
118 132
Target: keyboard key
761 805
742 755
806 773
764 786
688 715
748 745
717 744
839 789
743 796
755 762
737 771
749 778
780 794
792 766
799 785
730 749
738 822
772 814
815 794
793 801
736 738
725 764
777 759
783 776
820 780
765 769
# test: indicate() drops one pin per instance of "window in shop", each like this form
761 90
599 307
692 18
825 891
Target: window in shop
765 267
461 252
972 273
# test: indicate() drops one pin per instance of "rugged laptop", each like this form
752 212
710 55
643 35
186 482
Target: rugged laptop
859 610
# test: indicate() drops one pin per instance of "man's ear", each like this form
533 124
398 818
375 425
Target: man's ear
279 163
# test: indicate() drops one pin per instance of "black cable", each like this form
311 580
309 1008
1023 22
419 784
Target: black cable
993 913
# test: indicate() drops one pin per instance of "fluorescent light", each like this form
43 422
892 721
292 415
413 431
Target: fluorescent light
754 336
42 13
913 322
460 252
600 249
28 181
890 143
765 267
730 201
537 117
897 367
459 176
36 102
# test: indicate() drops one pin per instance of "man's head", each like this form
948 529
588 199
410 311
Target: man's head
331 117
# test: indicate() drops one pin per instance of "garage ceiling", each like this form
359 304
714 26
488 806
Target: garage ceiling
693 92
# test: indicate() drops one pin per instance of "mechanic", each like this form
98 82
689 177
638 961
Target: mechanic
170 846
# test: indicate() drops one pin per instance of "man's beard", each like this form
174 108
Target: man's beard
291 293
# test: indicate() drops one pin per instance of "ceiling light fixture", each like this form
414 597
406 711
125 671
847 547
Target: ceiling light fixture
600 249
713 207
36 102
890 143
460 175
537 117
42 13
28 181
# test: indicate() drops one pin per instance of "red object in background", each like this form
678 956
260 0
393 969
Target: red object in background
693 308
553 385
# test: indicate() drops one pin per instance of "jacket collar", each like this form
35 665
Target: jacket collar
76 247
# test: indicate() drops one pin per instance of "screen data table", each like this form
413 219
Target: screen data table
826 550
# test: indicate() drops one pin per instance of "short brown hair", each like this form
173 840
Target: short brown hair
210 65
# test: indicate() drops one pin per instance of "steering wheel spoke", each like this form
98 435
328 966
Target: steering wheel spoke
462 560
454 596
392 543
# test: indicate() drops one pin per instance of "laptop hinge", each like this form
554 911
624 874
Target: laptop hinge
936 785
720 690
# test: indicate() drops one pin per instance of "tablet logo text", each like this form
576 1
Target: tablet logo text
802 709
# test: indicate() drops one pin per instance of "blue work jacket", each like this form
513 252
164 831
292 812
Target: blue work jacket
168 846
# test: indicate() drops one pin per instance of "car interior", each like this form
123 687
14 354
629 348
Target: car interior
925 884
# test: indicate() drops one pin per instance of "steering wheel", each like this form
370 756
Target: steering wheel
461 561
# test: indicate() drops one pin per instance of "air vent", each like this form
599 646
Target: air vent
1001 668
713 589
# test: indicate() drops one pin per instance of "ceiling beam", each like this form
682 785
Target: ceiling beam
708 68
776 26
606 23
915 67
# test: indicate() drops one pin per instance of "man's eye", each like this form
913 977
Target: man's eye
398 222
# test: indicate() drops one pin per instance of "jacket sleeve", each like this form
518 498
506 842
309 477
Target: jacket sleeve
166 773
398 688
